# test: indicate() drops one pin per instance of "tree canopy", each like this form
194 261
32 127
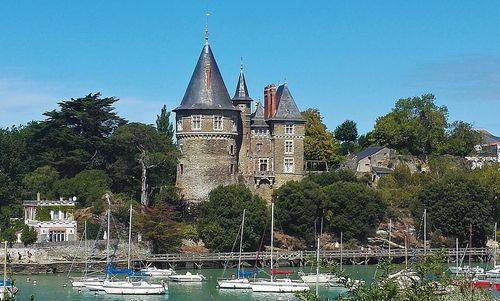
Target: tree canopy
220 218
319 144
347 132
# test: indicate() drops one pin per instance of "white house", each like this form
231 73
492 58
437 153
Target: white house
52 219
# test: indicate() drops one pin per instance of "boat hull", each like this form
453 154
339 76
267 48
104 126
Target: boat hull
234 284
279 286
321 278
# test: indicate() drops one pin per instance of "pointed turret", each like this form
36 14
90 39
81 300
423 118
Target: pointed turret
287 109
241 88
206 89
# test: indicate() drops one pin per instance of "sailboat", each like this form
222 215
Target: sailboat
7 289
274 285
494 273
239 282
127 287
318 277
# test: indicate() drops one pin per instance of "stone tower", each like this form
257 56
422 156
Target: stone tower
207 132
243 103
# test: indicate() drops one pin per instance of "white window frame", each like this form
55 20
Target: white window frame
262 161
288 168
218 123
289 129
196 122
288 146
258 147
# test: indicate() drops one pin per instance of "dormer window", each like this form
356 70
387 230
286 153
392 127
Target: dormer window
289 129
196 122
217 123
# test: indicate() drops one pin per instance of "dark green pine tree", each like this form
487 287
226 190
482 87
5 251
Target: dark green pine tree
163 124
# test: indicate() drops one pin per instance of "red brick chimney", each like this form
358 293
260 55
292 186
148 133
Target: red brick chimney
267 102
273 102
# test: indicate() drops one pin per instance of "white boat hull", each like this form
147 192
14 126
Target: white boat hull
133 288
279 286
321 278
188 277
154 272
86 282
242 283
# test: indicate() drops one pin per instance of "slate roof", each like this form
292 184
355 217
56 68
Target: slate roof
489 138
368 152
206 89
241 88
257 118
287 108
382 170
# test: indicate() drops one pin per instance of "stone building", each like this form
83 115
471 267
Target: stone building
52 219
223 142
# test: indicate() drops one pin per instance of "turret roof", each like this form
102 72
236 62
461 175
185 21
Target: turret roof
257 117
241 88
287 108
206 89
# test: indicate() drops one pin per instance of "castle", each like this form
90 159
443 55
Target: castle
222 142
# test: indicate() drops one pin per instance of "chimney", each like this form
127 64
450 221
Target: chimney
266 102
273 103
38 196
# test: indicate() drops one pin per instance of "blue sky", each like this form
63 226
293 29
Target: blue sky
350 59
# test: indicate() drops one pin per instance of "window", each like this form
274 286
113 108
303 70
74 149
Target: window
218 123
258 147
181 168
181 149
288 168
179 125
234 125
196 122
232 169
379 164
263 164
289 129
231 149
288 147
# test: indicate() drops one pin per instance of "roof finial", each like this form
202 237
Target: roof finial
241 64
207 14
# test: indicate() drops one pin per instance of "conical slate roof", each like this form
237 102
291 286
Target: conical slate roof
241 88
206 89
257 118
287 109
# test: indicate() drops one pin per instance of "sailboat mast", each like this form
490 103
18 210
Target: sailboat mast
241 242
272 237
5 266
85 246
495 247
457 258
341 259
108 234
425 232
317 268
390 232
129 236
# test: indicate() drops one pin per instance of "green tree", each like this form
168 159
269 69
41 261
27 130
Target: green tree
299 206
158 226
319 144
88 186
416 125
137 143
163 124
74 138
347 132
352 208
462 139
40 180
28 236
220 218
454 203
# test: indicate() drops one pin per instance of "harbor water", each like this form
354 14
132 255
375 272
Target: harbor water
50 287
